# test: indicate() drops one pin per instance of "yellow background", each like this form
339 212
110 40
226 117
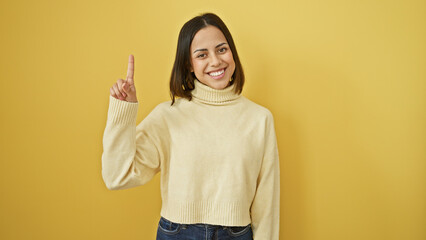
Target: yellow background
345 80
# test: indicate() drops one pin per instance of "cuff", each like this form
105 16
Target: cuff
122 112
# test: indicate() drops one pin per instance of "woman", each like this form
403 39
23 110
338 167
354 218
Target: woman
216 149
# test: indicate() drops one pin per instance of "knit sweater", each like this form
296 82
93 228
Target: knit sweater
217 155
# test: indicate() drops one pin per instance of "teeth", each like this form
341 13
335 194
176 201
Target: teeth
217 73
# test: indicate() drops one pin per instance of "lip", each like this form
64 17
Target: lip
219 76
220 69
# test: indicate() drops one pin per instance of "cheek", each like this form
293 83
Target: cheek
231 64
198 66
230 59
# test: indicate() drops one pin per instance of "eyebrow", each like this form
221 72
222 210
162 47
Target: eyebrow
205 49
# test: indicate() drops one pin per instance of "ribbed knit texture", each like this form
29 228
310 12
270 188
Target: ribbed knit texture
217 155
123 112
206 94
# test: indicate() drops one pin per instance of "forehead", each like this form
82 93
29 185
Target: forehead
206 37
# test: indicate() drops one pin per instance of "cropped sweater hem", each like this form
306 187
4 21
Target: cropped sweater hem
224 213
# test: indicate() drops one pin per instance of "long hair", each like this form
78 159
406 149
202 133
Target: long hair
182 79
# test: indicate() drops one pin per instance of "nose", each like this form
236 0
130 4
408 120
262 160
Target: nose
215 61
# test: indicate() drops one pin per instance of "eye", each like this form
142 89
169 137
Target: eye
201 55
222 50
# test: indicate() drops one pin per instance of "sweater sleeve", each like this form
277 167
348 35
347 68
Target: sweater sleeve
265 209
130 157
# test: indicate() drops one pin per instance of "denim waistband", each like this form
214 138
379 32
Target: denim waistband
205 225
201 225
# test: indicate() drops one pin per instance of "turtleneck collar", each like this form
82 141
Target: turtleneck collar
209 95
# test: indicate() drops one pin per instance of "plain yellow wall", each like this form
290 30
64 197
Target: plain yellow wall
345 80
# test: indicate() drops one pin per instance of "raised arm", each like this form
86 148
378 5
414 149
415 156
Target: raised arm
130 155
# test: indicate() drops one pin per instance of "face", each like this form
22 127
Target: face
211 58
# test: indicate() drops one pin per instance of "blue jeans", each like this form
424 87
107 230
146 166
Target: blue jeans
168 230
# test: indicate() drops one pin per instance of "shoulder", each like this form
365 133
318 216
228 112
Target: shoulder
263 116
163 106
256 108
166 110
157 112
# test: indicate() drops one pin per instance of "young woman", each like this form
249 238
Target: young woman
216 149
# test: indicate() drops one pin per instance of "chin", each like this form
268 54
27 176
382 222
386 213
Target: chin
220 85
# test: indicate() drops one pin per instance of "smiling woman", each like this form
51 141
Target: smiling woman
216 149
212 64
206 52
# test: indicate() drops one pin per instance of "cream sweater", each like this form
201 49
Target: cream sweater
217 155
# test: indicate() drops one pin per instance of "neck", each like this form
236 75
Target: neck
209 95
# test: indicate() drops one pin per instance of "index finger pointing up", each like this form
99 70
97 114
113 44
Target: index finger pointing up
130 69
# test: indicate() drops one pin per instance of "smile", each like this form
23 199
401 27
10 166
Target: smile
217 74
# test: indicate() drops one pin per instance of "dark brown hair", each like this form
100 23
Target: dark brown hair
181 76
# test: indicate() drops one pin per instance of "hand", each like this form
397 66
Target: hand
125 90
